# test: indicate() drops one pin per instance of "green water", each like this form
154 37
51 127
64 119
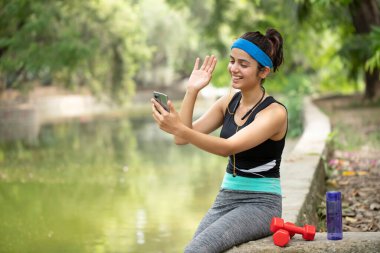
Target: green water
115 185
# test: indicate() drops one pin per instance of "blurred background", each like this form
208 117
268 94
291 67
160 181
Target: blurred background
82 166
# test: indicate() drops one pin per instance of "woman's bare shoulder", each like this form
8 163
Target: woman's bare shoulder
275 109
226 99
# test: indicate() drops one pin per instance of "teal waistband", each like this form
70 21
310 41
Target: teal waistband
262 184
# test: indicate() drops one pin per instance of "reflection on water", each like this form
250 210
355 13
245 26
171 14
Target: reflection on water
104 186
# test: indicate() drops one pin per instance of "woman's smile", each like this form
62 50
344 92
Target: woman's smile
236 79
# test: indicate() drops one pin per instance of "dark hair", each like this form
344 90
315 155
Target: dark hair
270 43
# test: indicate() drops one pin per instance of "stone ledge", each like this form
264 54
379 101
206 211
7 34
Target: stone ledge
352 242
302 173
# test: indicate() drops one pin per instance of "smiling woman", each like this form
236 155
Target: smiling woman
254 127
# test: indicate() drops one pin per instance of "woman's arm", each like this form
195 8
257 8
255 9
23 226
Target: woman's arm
186 113
267 124
199 78
211 120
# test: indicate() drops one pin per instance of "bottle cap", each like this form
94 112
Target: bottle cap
333 196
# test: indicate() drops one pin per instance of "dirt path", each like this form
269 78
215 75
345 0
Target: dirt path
354 163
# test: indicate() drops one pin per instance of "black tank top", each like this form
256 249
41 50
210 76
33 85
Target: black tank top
261 161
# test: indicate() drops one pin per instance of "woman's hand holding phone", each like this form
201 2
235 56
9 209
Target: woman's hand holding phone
201 76
168 120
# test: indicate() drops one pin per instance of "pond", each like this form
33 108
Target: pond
110 185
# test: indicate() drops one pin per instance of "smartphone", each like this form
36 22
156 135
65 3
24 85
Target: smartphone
162 99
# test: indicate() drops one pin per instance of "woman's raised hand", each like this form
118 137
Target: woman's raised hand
200 77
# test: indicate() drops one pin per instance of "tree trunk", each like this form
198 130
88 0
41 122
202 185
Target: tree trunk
365 13
372 87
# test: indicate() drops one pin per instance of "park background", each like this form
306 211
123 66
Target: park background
83 168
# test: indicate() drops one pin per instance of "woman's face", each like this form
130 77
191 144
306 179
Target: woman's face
243 70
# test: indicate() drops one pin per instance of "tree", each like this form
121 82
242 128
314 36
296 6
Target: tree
360 46
96 44
365 15
316 32
171 33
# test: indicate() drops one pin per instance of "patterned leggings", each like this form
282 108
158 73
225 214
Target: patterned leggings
236 217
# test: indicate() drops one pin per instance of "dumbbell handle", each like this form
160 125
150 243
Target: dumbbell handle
291 234
294 228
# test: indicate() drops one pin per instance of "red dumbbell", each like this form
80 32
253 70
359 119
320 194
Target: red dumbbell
307 231
281 237
291 234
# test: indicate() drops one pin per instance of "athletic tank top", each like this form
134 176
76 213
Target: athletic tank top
262 161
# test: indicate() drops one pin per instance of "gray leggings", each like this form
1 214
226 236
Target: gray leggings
235 217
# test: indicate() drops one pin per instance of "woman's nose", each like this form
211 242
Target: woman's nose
234 68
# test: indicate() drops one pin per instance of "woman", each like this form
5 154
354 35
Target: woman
254 127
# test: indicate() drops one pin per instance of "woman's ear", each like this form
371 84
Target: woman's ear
264 72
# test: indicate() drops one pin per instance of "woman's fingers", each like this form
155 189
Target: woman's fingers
162 117
171 107
157 107
208 64
155 113
156 117
160 111
212 64
196 64
205 62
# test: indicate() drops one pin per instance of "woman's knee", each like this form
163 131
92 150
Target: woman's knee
203 245
194 248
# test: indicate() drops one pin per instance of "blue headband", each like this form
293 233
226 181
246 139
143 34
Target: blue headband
254 51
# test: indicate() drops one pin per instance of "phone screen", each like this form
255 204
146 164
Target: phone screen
162 99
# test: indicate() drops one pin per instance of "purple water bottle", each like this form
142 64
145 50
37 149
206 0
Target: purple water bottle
334 215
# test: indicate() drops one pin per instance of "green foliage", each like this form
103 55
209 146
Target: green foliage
355 51
311 48
293 84
356 48
173 38
93 43
295 119
374 61
221 77
112 46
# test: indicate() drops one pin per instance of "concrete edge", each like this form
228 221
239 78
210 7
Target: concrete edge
352 242
302 172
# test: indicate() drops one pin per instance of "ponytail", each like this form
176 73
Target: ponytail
276 54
